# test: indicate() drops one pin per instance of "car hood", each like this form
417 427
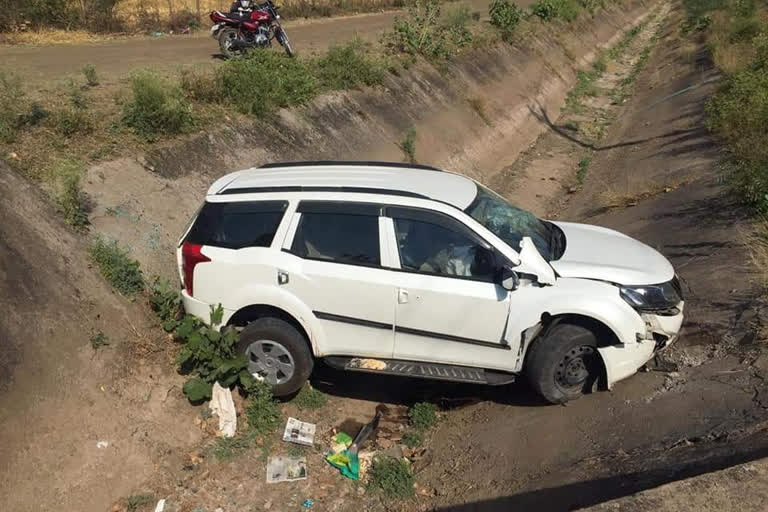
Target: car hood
592 252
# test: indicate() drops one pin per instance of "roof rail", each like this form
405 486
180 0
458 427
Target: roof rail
369 163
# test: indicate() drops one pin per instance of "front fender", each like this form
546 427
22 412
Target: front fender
282 299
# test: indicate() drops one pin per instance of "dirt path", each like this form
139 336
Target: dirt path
117 58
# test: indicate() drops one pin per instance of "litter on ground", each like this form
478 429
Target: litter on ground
299 432
223 406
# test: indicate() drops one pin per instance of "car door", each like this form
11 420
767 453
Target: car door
341 278
449 308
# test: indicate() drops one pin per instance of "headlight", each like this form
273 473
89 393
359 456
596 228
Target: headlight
651 297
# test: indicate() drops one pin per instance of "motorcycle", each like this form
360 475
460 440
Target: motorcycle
238 33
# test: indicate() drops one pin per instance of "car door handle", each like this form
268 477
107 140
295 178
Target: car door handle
402 296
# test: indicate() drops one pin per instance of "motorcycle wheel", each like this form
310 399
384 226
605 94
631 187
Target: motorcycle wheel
226 37
283 39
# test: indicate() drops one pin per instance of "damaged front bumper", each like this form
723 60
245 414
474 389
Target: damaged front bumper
623 360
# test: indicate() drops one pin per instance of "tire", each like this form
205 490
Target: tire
226 35
271 346
283 40
564 364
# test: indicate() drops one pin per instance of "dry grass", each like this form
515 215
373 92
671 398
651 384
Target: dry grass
53 36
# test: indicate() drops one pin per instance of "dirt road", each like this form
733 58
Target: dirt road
117 58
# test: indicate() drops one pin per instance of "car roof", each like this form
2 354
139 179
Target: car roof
366 177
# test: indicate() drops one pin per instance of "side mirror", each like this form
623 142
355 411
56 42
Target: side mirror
509 279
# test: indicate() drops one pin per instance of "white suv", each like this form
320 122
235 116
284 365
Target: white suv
409 270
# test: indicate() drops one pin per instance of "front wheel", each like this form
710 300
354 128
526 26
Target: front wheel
282 38
278 353
564 364
227 38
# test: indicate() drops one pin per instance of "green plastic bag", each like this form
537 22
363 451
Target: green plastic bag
347 463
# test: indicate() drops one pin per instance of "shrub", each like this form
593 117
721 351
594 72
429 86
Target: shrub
76 97
456 23
420 33
70 198
11 106
117 266
391 477
347 67
408 145
264 81
36 115
548 10
91 78
183 18
505 16
157 107
413 438
422 416
99 339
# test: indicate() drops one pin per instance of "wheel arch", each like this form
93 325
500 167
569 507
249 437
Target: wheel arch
247 314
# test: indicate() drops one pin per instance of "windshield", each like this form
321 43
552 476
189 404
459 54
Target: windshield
511 224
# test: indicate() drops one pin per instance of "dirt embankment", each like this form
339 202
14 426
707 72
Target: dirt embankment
468 116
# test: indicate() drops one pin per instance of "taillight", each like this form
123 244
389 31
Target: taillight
191 255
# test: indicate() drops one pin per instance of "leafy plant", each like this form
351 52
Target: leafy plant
309 398
117 266
408 145
505 16
391 477
36 115
583 169
98 340
165 301
70 198
91 78
157 107
422 416
209 353
348 66
225 448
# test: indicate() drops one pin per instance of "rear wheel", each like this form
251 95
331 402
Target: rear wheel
227 36
564 364
278 353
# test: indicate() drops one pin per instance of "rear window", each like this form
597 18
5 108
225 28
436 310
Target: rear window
237 225
338 237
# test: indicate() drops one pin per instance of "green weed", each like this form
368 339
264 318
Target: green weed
263 412
36 115
70 121
135 502
422 416
91 78
70 198
98 340
391 477
547 10
77 99
583 169
309 398
165 301
413 438
225 448
11 106
117 266
157 107
423 31
408 146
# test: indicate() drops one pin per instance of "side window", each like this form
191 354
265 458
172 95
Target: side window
237 225
339 237
432 247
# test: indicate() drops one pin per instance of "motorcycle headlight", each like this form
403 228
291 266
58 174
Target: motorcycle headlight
652 297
